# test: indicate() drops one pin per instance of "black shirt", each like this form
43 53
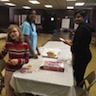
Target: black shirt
82 39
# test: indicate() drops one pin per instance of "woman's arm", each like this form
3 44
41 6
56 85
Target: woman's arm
38 52
27 39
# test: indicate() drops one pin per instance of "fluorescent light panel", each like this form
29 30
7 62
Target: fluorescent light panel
70 0
26 7
34 2
79 4
10 4
4 0
70 7
48 6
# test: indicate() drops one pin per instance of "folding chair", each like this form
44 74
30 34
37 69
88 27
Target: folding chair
2 66
88 82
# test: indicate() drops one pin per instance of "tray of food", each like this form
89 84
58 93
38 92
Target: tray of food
50 53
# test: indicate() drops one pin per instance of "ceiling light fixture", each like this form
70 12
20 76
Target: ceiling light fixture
34 2
48 6
10 4
70 0
26 7
70 7
79 4
4 0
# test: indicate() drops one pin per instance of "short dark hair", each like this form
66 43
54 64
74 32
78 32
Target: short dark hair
83 13
29 11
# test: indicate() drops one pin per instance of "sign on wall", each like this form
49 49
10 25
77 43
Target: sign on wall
65 23
17 19
23 18
38 19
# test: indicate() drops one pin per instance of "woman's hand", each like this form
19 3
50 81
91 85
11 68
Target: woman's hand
35 56
38 52
69 42
13 61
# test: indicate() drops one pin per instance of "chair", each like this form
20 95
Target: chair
88 82
2 66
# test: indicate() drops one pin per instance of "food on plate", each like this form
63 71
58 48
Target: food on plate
26 70
27 66
51 54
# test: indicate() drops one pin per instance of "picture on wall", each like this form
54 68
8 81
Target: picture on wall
65 23
38 19
23 18
17 19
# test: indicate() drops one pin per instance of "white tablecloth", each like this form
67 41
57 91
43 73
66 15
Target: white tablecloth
44 82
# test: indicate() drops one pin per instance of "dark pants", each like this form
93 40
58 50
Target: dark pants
80 63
